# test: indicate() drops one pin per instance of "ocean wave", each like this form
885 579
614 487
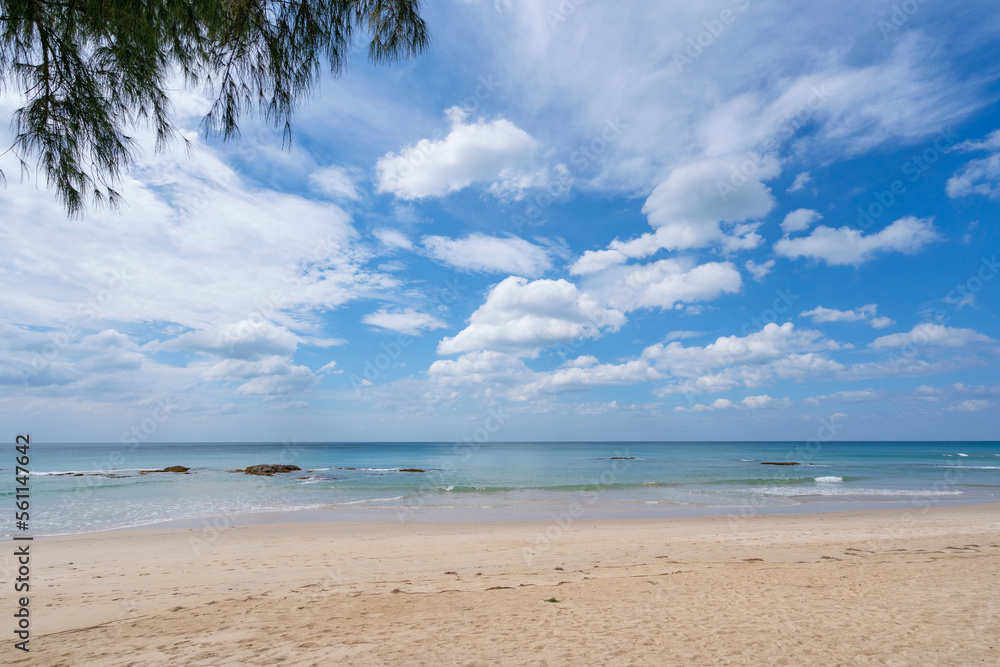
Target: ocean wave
779 481
842 491
369 500
109 471
316 479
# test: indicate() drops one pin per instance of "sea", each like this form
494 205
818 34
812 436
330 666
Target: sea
82 488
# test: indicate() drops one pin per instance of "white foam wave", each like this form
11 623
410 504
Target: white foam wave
110 471
315 480
842 491
370 500
961 454
829 479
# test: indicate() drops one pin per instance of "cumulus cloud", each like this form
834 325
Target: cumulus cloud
575 377
689 205
481 151
269 376
478 367
799 220
524 316
761 402
752 360
851 246
405 321
663 284
490 254
931 334
866 313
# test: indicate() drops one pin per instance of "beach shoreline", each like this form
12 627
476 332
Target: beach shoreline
907 586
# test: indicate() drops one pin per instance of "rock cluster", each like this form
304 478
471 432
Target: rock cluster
267 469
167 469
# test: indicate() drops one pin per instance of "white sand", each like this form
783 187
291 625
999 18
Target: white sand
891 587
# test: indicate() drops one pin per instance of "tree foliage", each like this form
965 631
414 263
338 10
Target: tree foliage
90 71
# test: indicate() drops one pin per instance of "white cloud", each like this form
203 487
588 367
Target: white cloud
522 317
563 66
330 368
990 142
981 177
851 246
801 181
688 206
490 254
575 377
866 313
927 393
853 108
752 360
393 238
931 334
338 183
482 151
971 405
405 321
799 220
479 367
765 402
246 339
267 376
759 271
761 402
663 284
856 396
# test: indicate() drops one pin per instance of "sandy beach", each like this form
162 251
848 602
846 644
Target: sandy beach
888 587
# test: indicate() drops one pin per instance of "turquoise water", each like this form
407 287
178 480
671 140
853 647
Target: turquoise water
491 481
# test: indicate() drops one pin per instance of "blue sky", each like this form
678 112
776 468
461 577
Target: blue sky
566 220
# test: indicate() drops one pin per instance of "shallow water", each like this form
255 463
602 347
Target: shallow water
537 480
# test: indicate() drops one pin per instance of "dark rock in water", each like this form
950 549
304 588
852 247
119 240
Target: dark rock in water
411 470
622 458
780 463
269 469
167 469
